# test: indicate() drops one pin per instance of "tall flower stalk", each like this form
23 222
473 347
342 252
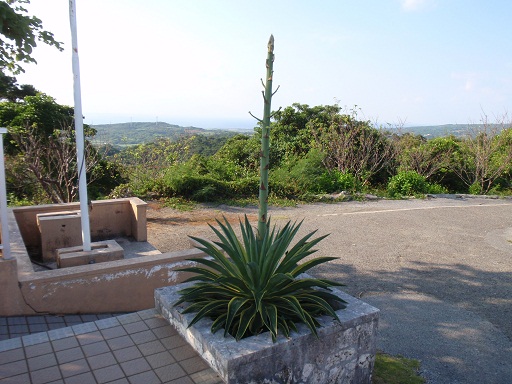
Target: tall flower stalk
265 143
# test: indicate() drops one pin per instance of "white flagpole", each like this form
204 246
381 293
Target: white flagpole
79 133
6 245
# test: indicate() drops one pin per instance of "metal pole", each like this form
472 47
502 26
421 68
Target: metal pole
6 245
79 132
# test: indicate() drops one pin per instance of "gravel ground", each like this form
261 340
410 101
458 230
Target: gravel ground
440 270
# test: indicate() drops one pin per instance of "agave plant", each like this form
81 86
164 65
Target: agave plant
254 285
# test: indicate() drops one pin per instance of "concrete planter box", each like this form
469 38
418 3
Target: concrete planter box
343 353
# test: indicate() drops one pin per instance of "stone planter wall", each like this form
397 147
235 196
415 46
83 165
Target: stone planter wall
343 353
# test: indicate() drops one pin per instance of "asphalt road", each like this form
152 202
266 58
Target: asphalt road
439 269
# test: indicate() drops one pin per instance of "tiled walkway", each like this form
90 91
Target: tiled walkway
132 348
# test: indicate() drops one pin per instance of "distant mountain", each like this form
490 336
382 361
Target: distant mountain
123 134
457 130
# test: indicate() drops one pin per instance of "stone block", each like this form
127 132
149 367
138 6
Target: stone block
58 230
108 250
344 351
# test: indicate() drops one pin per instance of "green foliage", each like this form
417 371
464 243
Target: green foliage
407 183
41 152
21 34
254 285
336 181
298 176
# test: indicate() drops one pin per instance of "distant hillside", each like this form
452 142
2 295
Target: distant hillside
457 130
123 134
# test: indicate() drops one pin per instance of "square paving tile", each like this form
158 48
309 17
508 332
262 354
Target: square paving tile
126 354
84 328
95 348
89 338
120 342
35 338
107 323
137 326
36 320
206 377
128 318
165 331
16 320
133 367
33 328
173 342
101 361
183 353
74 368
160 359
143 337
113 332
20 379
68 355
84 378
194 364
38 349
40 362
107 374
13 369
66 343
44 376
170 372
12 355
151 348
60 333
145 378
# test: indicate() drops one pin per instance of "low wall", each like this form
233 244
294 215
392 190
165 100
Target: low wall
115 286
108 219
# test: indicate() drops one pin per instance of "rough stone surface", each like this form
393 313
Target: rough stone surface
344 352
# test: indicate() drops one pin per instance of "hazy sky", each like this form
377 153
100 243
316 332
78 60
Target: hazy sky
199 62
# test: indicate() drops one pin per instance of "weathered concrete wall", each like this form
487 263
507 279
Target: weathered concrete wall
115 286
344 351
108 219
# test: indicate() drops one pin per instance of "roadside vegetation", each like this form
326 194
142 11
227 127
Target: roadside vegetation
319 153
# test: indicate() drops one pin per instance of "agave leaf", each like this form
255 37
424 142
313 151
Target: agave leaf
202 274
219 323
323 305
234 306
206 310
235 285
301 250
271 318
246 317
223 264
307 265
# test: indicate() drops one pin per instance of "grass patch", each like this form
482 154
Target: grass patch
396 370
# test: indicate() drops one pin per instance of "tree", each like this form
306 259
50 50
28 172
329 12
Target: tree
11 91
22 33
290 133
41 150
352 146
428 158
484 156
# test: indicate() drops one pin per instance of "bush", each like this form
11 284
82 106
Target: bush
336 181
252 285
407 183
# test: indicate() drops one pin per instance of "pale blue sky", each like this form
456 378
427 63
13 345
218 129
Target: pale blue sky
199 62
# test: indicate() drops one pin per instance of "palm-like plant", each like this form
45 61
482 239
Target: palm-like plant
251 286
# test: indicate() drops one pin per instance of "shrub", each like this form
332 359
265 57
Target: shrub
252 286
407 183
336 181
